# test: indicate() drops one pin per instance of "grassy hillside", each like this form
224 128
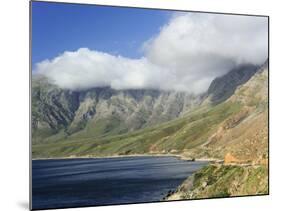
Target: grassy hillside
176 136
243 142
238 125
59 113
235 131
223 181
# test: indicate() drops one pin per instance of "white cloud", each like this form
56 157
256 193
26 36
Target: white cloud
84 69
186 55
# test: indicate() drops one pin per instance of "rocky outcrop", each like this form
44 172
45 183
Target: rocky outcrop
244 134
242 141
52 108
223 181
100 111
223 87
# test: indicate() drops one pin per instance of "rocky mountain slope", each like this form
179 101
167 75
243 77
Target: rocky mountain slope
202 132
223 181
58 114
234 131
224 87
242 141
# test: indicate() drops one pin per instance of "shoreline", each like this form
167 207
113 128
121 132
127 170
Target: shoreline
178 156
109 156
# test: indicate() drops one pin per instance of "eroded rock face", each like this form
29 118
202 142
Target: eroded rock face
58 114
52 108
245 134
102 110
223 87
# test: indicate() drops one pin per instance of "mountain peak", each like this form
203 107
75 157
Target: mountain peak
223 87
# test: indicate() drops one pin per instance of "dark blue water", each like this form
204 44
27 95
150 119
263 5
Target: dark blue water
103 181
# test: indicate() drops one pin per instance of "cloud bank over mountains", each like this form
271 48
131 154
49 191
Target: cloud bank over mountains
186 55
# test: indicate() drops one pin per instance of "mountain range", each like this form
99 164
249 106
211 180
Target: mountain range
228 124
58 113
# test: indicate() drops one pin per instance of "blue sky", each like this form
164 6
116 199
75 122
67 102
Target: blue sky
185 55
58 27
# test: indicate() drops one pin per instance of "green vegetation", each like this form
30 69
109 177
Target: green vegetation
223 181
184 133
103 124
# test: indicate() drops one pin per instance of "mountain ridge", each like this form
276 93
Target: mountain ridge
194 134
58 113
232 135
134 109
